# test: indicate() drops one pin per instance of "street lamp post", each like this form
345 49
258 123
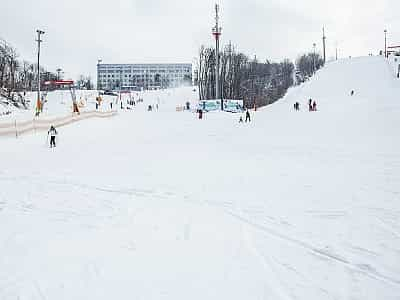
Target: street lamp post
38 104
385 31
336 50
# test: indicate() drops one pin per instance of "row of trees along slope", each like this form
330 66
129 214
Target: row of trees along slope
257 83
17 76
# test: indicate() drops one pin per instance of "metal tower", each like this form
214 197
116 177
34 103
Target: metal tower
216 31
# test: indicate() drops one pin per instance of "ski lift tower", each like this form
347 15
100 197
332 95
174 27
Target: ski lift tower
71 86
216 31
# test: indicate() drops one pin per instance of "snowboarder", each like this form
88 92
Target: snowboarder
52 132
247 115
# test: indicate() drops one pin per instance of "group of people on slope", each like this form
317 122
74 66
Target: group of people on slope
247 116
312 105
152 107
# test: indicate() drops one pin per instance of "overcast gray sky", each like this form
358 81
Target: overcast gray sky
78 32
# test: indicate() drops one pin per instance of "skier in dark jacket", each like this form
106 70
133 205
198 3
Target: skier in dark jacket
247 116
52 132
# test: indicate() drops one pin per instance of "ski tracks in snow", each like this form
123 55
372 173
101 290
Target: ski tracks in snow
324 253
274 283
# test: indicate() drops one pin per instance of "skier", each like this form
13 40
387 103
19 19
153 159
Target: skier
111 105
314 106
309 105
241 119
352 93
247 115
52 132
200 114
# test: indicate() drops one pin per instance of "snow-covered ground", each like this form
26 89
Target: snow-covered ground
161 205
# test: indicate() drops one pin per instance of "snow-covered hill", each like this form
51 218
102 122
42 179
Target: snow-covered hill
161 205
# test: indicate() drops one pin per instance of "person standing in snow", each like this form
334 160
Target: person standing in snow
200 114
111 105
52 132
310 105
247 116
314 106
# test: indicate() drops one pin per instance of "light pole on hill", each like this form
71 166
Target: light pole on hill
38 104
336 51
385 31
323 43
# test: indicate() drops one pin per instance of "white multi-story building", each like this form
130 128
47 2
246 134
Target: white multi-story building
146 76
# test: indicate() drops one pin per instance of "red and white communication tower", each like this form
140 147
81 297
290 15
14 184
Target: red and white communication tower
216 31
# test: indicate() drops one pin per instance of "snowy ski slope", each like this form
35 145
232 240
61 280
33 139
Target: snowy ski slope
160 205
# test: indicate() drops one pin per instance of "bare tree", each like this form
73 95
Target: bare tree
256 83
307 65
17 76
